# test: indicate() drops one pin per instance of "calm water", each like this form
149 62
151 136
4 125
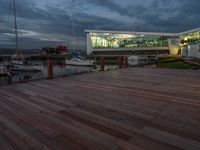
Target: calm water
59 68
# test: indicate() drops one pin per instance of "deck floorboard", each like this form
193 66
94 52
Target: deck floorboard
127 109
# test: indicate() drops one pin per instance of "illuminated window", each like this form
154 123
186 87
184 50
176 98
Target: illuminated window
191 38
112 40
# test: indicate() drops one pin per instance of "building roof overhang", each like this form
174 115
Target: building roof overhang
189 31
145 33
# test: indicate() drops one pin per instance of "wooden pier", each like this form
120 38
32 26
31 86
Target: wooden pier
126 109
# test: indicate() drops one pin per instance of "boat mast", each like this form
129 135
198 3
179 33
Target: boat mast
73 34
15 21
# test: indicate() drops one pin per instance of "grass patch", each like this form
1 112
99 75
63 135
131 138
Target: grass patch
175 63
167 59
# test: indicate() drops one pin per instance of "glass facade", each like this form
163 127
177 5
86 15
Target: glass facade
119 40
190 38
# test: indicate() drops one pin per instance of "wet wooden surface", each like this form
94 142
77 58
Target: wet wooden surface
128 109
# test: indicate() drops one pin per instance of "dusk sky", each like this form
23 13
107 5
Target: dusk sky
47 23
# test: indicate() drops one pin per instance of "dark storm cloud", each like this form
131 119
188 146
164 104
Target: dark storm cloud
153 16
50 24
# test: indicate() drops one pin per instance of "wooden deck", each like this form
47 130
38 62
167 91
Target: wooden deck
128 109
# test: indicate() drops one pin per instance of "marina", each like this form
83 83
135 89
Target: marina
60 69
129 109
79 75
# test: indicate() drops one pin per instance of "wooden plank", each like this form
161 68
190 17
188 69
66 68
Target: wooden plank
134 108
32 141
4 145
178 141
15 141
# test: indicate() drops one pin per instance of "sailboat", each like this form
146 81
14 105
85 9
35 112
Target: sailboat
18 61
80 62
76 60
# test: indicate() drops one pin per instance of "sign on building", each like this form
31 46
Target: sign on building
175 41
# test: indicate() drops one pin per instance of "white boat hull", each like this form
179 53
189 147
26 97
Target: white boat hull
17 67
80 63
135 60
4 71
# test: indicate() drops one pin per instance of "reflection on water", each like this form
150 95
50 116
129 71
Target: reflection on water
59 69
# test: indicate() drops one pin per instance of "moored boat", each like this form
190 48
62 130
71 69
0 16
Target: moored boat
18 65
135 60
18 61
80 62
61 50
58 52
4 70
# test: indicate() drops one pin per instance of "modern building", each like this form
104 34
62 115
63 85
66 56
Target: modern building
129 43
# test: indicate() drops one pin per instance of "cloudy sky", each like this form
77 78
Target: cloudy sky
45 23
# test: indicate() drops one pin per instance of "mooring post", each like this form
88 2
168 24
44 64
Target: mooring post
50 69
123 61
126 61
102 64
120 61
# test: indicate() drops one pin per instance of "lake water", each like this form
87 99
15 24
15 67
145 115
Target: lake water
59 69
